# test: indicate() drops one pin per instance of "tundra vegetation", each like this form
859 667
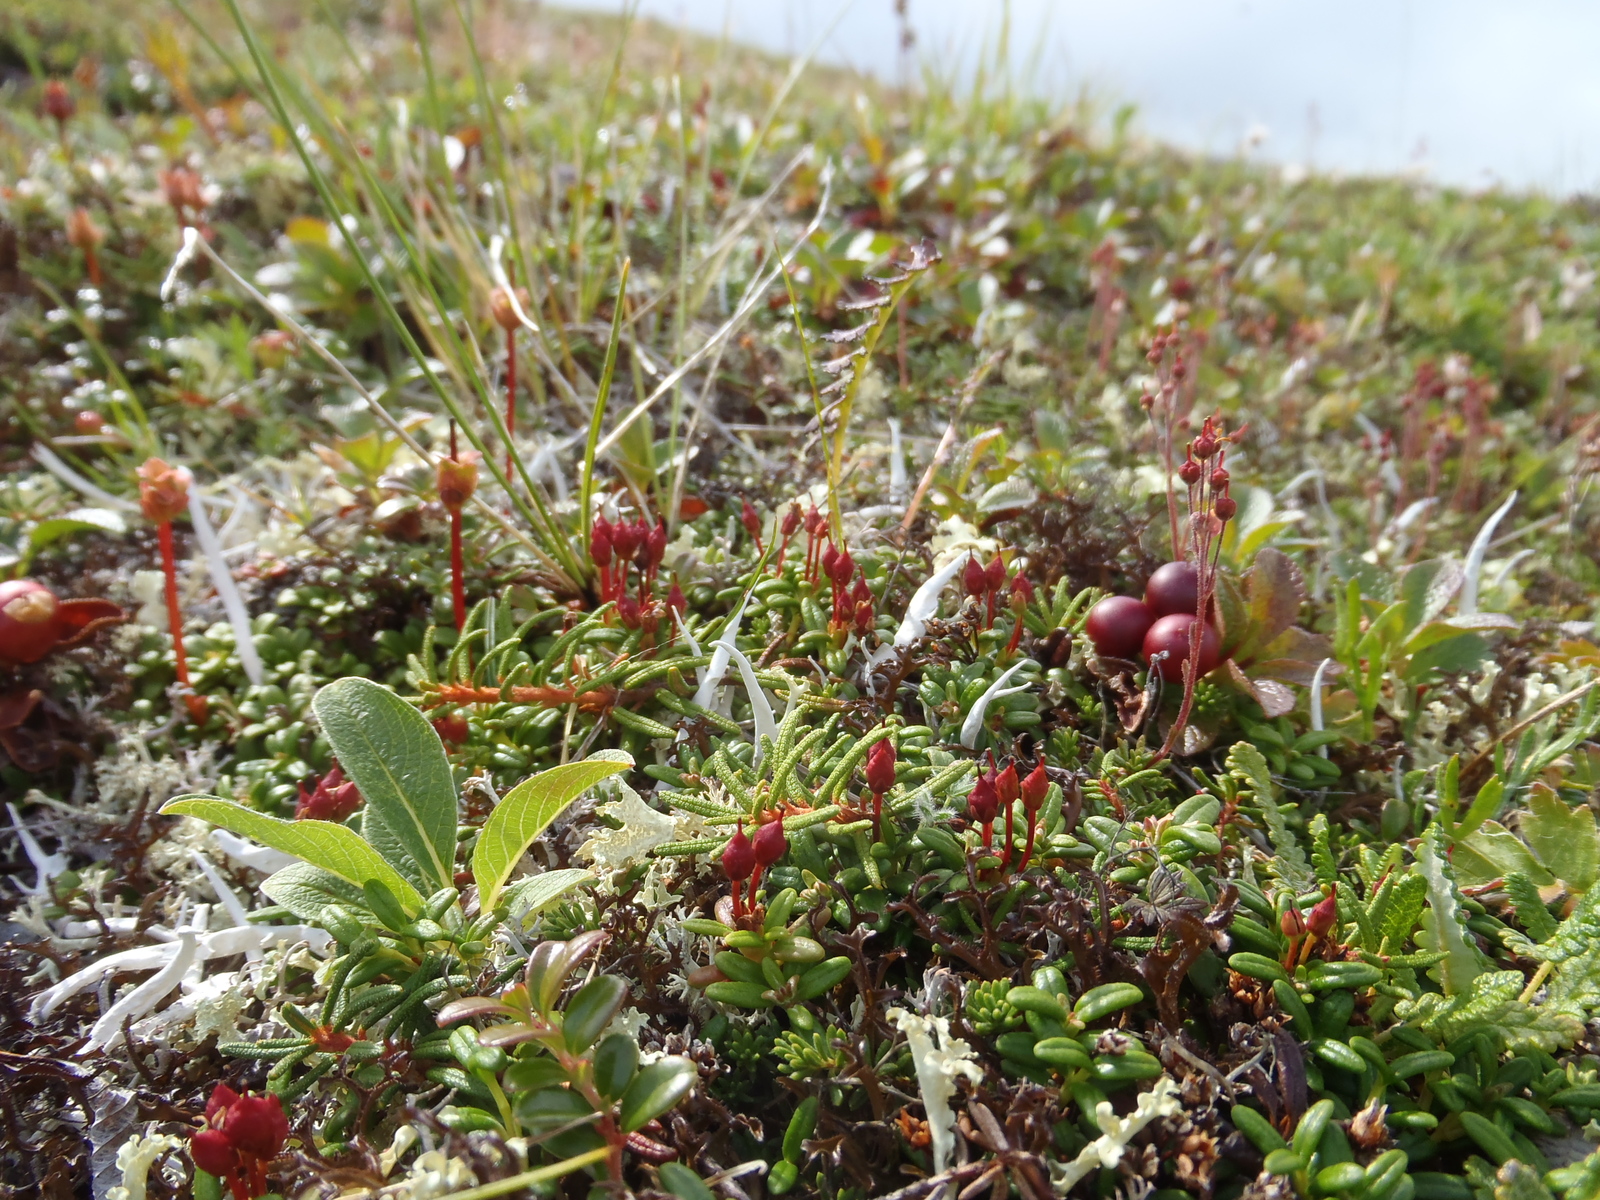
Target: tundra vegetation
583 612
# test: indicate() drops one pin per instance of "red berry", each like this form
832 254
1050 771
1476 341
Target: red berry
1170 636
28 620
1174 588
1117 626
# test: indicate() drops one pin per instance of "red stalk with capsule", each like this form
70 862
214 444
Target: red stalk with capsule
1035 786
163 494
457 480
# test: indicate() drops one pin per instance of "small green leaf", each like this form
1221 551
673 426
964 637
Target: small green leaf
307 891
1562 838
616 1061
591 1010
681 1181
533 895
525 811
332 847
655 1090
398 762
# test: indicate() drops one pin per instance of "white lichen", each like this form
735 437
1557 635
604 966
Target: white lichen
1115 1133
938 1066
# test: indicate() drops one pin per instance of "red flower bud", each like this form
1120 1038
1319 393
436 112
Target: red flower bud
676 600
628 610
1225 508
994 576
223 1097
256 1125
626 536
813 520
770 843
880 767
501 309
1324 918
791 520
1189 471
1292 923
864 617
974 578
1007 787
600 543
1021 594
1219 479
843 567
982 802
830 560
213 1153
1034 786
749 519
335 798
1206 444
453 729
655 545
739 856
58 103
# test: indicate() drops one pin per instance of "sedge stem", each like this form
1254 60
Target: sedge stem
511 394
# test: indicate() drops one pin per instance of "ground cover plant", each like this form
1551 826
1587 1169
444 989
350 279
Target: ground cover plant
582 612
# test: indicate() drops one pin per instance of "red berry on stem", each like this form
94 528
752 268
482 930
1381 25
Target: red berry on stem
1174 588
1117 626
1170 636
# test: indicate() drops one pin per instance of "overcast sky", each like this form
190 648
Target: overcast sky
1474 91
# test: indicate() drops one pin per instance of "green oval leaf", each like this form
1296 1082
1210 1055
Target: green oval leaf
525 811
591 1010
397 760
335 849
655 1090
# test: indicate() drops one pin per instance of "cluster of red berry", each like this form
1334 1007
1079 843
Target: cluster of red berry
242 1135
1157 627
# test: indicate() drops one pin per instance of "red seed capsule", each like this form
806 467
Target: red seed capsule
974 578
994 575
880 767
983 802
1034 787
770 843
739 856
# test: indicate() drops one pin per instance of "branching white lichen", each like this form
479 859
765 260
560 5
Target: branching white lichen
938 1066
1115 1133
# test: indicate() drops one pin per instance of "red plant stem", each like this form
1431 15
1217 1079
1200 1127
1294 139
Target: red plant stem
783 547
877 817
1027 853
92 262
1016 637
988 835
738 901
458 590
169 567
511 393
989 617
